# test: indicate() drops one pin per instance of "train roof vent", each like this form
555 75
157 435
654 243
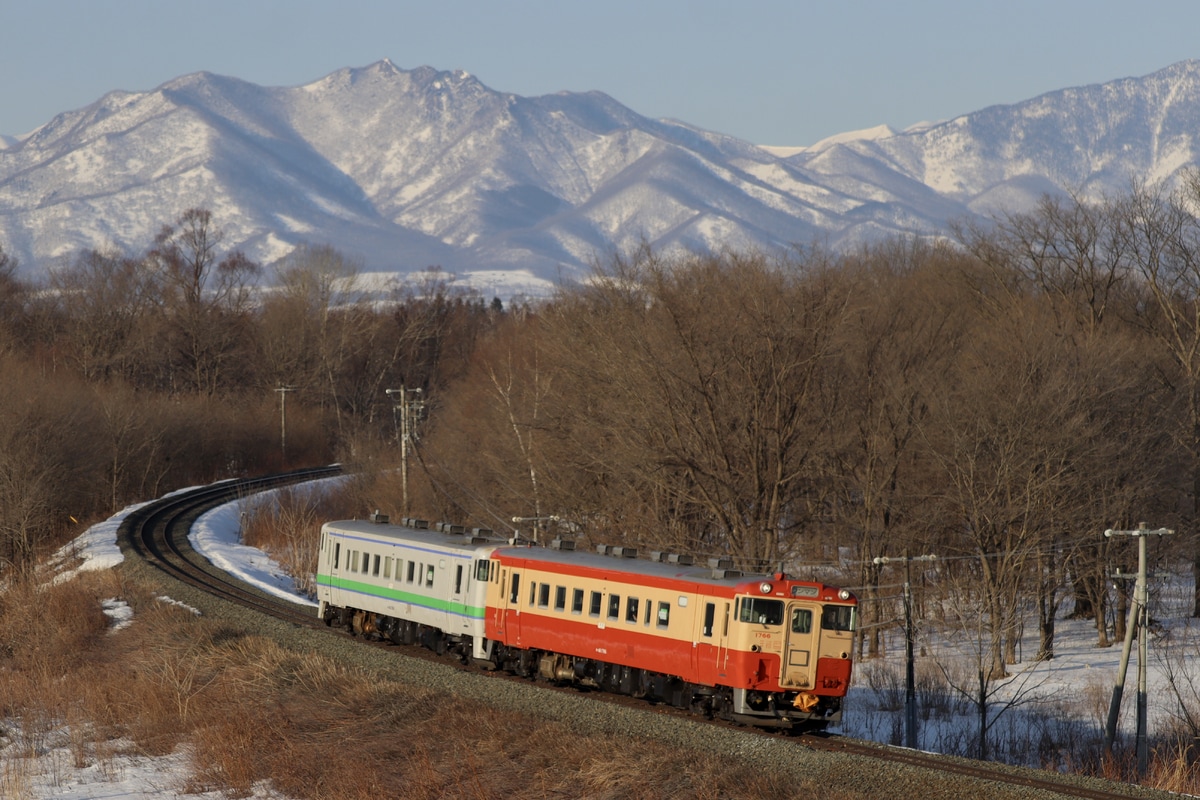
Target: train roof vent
379 518
478 539
561 544
726 573
604 549
720 563
481 531
624 552
682 560
658 555
448 527
419 524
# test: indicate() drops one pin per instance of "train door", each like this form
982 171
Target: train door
333 561
799 659
496 611
508 611
712 641
514 609
460 577
722 634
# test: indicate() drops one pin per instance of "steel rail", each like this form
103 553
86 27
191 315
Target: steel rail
158 534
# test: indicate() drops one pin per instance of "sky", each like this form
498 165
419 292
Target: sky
773 72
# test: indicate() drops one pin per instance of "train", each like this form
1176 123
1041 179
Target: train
763 650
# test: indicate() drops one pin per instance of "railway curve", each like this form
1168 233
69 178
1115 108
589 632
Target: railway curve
156 536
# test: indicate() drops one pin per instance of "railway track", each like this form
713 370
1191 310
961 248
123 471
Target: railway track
158 534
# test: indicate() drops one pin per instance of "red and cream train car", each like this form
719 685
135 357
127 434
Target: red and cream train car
762 650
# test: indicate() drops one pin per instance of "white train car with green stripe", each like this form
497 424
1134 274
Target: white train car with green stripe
407 583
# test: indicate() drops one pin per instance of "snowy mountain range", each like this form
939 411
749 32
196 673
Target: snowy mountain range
406 169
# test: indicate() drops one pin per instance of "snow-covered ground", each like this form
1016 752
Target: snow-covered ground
1078 681
53 773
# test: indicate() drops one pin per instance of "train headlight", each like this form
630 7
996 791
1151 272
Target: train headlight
764 587
844 594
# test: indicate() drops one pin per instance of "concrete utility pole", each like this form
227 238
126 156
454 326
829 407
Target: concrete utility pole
283 390
1138 619
408 412
910 682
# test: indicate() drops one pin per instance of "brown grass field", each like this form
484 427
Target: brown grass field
250 710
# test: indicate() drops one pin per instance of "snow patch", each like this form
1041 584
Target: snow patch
119 612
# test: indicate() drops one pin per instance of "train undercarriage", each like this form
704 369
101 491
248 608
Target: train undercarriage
790 711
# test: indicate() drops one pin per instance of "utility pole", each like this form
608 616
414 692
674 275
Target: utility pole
910 678
408 412
1139 619
283 390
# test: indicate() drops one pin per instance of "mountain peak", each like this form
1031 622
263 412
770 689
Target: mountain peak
404 169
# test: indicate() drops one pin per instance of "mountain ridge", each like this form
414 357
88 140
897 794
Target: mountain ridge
407 169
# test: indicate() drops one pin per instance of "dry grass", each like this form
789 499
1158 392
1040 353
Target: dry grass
287 525
249 711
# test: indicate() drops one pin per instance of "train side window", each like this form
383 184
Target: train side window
614 606
375 566
429 575
458 576
631 610
594 607
577 601
352 560
532 593
725 623
337 554
366 563
412 566
649 610
560 598
664 614
710 614
801 620
387 567
544 595
516 587
481 570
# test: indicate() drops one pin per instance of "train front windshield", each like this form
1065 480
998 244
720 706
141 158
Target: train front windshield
761 610
839 618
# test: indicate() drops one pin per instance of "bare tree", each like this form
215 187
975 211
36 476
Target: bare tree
902 328
104 300
1163 232
205 298
710 371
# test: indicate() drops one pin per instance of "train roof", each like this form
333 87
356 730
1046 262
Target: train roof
455 539
623 563
614 562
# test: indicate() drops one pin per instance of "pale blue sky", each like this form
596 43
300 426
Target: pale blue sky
780 72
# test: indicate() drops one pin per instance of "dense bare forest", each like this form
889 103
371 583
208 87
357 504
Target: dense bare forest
999 400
